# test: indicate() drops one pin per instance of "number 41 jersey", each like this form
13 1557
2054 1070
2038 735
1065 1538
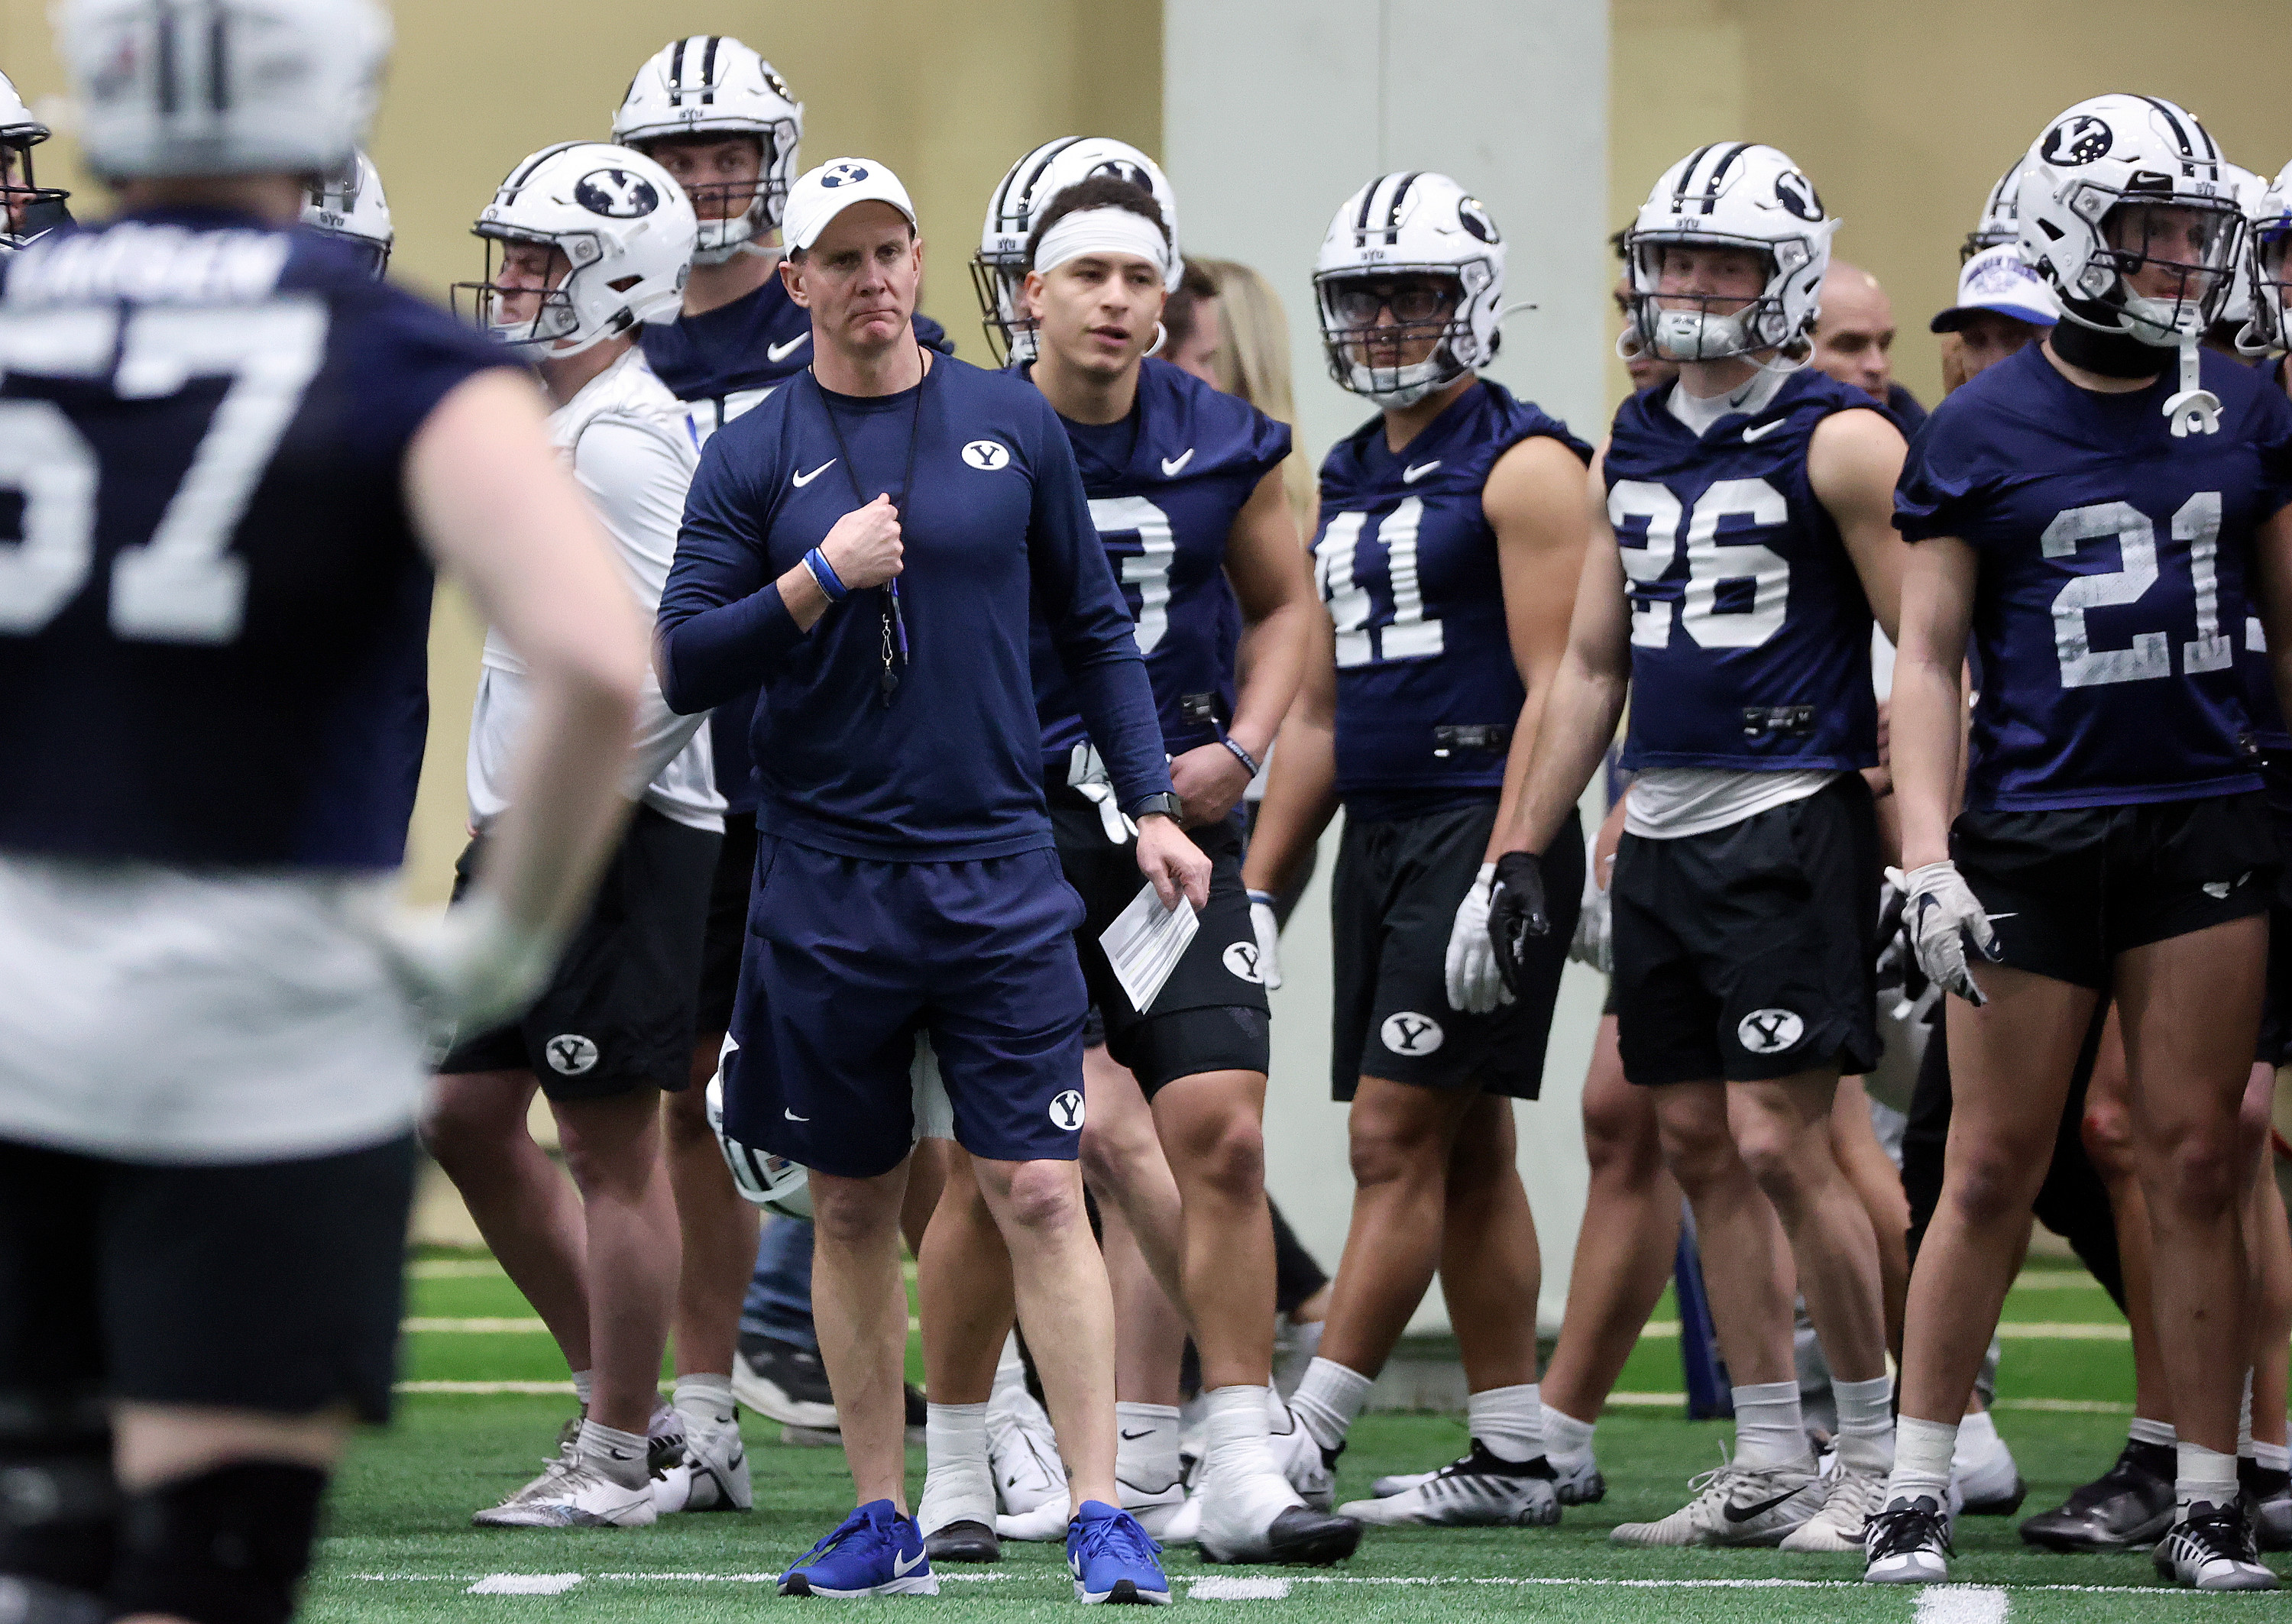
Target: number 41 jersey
2113 563
211 596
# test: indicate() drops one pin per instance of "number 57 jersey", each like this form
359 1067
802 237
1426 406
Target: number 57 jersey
2114 558
213 608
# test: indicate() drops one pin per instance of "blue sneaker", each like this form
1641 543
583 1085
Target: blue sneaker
873 1552
1112 1559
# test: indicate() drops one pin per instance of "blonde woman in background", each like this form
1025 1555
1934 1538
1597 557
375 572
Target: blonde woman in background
1247 335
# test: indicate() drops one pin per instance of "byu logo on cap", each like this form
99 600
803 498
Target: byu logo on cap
843 174
988 454
616 194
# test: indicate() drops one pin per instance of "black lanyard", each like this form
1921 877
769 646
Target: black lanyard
894 621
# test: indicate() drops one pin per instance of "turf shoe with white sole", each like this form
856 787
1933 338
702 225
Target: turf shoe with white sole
1479 1491
2128 1506
568 1437
1734 1505
1576 1479
715 1472
1849 1498
574 1493
1112 1559
1310 1469
1985 1478
783 1382
1045 1523
1023 1453
1907 1543
875 1551
2210 1548
1155 1508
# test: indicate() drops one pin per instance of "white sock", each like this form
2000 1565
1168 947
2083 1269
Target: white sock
1769 1430
1234 1438
1922 1454
959 1484
585 1384
1510 1420
618 1455
2146 1431
1866 1424
1975 1435
1146 1447
2271 1457
1328 1399
2203 1474
2244 1417
1564 1434
1010 1369
704 1400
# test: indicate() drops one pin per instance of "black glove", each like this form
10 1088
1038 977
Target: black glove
1516 912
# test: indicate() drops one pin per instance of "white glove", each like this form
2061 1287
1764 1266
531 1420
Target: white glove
1941 914
1086 774
1594 941
471 967
1475 987
1268 938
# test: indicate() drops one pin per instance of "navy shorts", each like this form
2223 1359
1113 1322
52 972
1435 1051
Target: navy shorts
849 959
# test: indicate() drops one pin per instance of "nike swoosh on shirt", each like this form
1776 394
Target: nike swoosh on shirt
776 353
801 480
1132 1437
1410 476
1759 431
1171 465
792 1116
1744 1514
901 1566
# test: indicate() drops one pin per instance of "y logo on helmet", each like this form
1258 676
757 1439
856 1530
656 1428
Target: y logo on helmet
1407 1032
1065 1111
843 175
986 454
1796 193
1122 169
1475 219
570 1054
1770 1031
2080 139
1241 961
616 194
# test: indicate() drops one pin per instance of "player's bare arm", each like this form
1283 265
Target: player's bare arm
1853 460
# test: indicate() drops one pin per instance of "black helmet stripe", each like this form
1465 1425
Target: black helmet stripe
1686 179
1719 173
708 70
2190 156
1393 206
1014 211
676 72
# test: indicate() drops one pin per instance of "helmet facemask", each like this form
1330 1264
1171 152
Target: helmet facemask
752 207
1400 333
29 208
499 308
1678 325
1000 279
2164 269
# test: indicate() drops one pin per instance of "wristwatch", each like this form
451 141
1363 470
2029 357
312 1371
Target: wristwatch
1166 803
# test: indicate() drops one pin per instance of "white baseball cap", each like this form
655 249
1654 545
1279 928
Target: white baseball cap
1995 280
820 194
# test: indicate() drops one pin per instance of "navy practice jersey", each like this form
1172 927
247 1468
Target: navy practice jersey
2260 706
997 531
720 363
1750 634
213 608
1164 497
2113 561
1427 689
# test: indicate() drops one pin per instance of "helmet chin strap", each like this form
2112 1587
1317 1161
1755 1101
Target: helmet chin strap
2195 409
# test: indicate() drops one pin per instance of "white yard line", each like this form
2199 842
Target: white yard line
1961 1604
480 1326
525 1584
2009 1330
455 1268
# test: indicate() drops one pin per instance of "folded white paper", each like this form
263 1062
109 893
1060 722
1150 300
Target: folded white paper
1145 943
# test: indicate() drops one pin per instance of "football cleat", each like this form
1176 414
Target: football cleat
968 1540
2211 1548
1985 1478
873 1552
2130 1505
785 1382
1849 1498
573 1493
567 1438
1479 1491
1112 1559
1023 1453
1575 1478
1907 1543
1734 1506
1310 1469
715 1470
1156 1509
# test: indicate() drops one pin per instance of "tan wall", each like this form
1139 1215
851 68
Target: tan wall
947 94
1904 114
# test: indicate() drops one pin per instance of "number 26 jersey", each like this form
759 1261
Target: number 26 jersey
1406 560
2114 559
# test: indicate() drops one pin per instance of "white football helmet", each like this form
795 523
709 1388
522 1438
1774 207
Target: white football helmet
999 268
771 1182
1734 194
2123 152
23 201
223 87
1413 224
2236 310
713 85
2271 266
625 228
347 204
2001 215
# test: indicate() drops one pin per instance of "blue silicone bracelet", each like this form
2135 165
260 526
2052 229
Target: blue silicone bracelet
824 574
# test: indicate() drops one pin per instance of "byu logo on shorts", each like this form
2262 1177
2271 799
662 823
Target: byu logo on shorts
1065 1111
1770 1031
986 454
616 194
843 175
1241 958
570 1054
1407 1032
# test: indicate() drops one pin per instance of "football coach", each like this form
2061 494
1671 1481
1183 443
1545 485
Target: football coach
870 544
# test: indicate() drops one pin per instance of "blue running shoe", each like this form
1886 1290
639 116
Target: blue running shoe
1112 1559
873 1552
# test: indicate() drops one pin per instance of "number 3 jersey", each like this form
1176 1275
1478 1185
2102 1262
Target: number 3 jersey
1165 484
212 602
2114 558
1750 638
1427 690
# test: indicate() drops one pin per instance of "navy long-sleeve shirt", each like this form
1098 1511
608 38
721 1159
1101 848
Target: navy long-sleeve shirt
997 531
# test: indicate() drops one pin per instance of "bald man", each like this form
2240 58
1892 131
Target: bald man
1854 340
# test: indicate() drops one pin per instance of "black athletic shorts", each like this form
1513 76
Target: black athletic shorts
618 1013
1749 952
727 930
2276 1012
272 1286
1211 1015
1393 909
2069 889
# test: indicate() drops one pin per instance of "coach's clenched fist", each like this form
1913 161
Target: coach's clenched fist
864 547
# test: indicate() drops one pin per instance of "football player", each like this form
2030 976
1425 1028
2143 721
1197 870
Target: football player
1185 487
29 207
347 204
593 240
2113 840
1451 531
1744 550
209 1059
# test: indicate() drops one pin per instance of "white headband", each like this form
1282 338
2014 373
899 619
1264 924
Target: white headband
1105 231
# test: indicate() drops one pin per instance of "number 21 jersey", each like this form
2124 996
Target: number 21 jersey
2114 558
